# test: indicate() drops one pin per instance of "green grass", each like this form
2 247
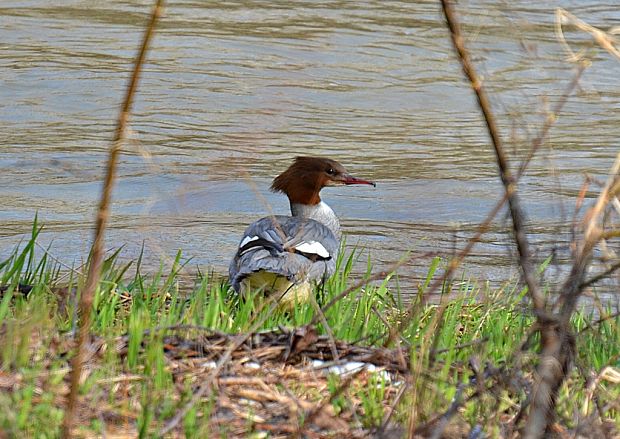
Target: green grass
467 322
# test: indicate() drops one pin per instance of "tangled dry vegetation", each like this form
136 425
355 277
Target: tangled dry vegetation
275 383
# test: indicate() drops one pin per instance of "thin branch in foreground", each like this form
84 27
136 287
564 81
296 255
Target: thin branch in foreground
365 281
103 214
452 266
592 325
509 182
556 342
328 329
551 118
601 276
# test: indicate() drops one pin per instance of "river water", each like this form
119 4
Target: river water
232 91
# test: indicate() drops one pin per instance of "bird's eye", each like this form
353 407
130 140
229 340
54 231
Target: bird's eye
331 171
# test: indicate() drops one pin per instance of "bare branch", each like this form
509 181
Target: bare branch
551 118
509 182
558 344
599 277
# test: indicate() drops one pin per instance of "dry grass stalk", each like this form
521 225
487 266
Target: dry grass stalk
607 374
365 281
593 234
604 39
103 213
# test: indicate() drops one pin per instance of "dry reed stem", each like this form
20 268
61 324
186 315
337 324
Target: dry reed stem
604 39
592 229
103 214
574 285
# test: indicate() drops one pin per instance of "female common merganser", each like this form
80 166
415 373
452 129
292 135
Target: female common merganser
286 255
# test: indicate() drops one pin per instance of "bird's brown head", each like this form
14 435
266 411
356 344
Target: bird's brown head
305 178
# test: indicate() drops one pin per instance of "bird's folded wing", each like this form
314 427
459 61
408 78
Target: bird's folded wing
295 248
282 233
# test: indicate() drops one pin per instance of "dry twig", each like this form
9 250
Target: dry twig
508 180
103 214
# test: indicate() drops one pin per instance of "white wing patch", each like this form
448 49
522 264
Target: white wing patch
247 239
313 247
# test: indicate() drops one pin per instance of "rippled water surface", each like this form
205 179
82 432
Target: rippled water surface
233 90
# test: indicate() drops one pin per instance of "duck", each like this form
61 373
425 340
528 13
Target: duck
287 256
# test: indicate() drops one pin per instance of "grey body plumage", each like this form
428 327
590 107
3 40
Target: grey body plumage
279 250
286 255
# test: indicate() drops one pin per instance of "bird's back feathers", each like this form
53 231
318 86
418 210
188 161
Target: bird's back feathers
290 247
